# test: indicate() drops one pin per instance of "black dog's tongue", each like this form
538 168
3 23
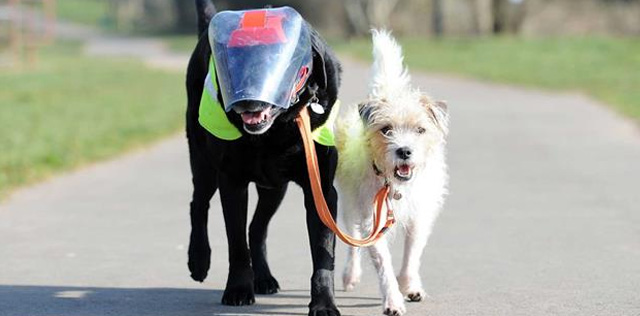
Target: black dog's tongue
253 118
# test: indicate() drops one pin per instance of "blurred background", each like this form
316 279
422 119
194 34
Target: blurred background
542 218
64 63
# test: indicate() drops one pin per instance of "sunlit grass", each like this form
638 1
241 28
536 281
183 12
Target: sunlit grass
181 43
73 109
606 68
89 12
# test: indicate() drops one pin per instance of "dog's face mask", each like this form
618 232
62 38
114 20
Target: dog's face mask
263 60
403 134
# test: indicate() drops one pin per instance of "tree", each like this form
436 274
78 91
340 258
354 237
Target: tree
364 14
481 15
507 15
185 21
438 28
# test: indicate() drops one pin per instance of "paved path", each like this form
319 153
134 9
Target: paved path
543 219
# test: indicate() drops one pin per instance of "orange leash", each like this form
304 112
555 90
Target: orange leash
380 201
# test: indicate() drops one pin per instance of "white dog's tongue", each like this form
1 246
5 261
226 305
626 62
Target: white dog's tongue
254 118
404 170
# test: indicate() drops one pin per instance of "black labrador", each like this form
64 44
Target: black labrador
271 160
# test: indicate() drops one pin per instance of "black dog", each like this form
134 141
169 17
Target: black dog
271 160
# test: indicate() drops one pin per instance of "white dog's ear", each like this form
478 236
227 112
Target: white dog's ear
365 109
439 113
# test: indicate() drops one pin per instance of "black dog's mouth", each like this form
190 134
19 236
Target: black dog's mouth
258 122
257 117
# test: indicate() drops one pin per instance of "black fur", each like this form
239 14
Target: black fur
271 161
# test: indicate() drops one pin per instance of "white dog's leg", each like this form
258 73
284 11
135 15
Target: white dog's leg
409 278
392 299
352 269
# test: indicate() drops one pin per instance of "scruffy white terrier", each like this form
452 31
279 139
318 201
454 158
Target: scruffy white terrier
396 136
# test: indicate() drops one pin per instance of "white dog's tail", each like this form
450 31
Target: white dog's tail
389 75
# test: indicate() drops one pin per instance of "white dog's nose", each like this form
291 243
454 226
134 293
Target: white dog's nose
404 152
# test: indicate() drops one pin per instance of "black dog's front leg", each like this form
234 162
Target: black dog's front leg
233 195
204 187
199 250
322 239
269 200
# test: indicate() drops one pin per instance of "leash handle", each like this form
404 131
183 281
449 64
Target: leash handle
380 202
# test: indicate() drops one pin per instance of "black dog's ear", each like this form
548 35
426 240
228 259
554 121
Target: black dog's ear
319 67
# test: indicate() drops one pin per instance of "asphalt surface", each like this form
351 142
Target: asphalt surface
543 219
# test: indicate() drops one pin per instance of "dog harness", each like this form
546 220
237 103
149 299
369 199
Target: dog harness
214 119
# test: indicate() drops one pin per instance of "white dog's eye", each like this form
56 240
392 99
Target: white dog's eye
421 130
386 131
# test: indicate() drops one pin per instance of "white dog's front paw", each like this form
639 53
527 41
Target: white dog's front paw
350 278
394 305
416 295
412 289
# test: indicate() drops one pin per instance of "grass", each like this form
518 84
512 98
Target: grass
606 68
73 109
89 12
181 43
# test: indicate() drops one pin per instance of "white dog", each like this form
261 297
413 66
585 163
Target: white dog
396 136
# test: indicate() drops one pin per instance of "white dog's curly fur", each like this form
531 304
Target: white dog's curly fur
396 135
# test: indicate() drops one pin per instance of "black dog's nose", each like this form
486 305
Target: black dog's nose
404 152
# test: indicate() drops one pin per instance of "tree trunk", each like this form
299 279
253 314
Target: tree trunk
357 16
482 16
438 18
185 21
379 11
364 14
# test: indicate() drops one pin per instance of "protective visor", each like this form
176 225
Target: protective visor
262 55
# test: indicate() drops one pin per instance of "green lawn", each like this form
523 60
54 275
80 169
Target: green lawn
90 12
606 68
181 43
72 109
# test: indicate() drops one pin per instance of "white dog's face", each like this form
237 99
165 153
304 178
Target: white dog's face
403 133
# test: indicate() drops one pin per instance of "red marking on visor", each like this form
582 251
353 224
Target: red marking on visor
258 28
302 78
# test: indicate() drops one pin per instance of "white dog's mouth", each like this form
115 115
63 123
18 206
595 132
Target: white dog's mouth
404 172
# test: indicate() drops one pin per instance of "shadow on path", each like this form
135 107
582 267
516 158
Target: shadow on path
19 300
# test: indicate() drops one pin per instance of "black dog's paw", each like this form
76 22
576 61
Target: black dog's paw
268 285
327 312
323 310
239 290
199 260
238 296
